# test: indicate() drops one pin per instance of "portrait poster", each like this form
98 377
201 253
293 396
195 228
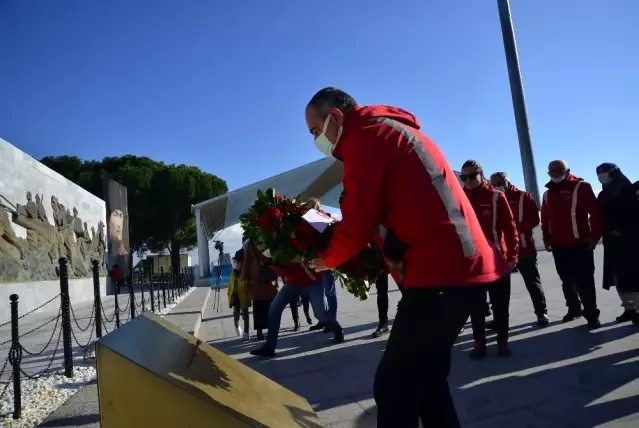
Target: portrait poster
117 226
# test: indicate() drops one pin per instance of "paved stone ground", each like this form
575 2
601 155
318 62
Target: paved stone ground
46 337
562 376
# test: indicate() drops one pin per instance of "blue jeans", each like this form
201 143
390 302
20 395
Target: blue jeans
315 294
331 294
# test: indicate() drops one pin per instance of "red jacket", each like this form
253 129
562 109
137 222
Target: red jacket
526 216
401 192
295 274
565 211
496 220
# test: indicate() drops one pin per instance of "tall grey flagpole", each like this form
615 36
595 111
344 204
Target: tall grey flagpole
519 103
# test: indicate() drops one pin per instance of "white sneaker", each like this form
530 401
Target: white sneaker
245 337
238 329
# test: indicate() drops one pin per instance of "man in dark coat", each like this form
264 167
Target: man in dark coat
619 205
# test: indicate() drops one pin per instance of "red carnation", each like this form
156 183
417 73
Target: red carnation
297 244
269 219
305 233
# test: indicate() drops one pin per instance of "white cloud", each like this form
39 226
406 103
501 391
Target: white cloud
232 238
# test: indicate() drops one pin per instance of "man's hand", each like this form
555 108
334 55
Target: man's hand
318 265
548 247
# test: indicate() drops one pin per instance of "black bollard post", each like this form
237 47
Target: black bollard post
97 300
141 281
15 358
173 284
151 291
65 305
131 295
163 285
117 304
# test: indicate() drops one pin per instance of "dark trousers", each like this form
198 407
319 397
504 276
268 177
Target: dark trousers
244 312
295 309
382 298
260 314
411 382
499 292
576 269
529 271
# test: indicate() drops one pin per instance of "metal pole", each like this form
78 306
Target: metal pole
15 358
65 306
97 302
519 103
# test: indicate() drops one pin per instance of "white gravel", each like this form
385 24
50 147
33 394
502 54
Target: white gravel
42 396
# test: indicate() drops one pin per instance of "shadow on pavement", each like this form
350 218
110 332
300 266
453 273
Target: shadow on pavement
560 376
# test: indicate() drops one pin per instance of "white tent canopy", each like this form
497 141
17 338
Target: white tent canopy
321 179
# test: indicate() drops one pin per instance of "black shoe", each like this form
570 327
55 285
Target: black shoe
263 351
502 349
338 337
309 321
318 326
627 315
572 315
381 330
594 324
542 320
479 351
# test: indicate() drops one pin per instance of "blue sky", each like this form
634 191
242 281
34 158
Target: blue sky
223 85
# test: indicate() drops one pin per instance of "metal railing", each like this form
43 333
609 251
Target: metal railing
156 293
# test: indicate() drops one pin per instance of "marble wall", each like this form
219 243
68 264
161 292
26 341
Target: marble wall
35 233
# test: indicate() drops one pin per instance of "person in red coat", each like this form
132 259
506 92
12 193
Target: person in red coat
571 227
498 225
401 192
526 215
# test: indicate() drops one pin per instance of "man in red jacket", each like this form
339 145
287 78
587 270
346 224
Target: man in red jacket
499 227
526 215
401 191
571 227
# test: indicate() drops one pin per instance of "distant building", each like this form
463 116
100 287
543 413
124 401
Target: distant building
156 261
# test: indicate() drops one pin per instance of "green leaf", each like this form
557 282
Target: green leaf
270 193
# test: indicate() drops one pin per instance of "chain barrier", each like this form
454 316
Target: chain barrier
171 286
32 310
55 328
75 319
41 373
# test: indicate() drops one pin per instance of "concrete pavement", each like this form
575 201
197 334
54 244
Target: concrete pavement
562 376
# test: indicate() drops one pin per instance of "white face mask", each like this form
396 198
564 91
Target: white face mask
604 178
322 142
500 188
558 179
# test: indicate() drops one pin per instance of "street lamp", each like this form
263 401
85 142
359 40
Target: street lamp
519 103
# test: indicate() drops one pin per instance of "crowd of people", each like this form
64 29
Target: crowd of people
451 244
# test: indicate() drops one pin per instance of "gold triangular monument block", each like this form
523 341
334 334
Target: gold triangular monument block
154 374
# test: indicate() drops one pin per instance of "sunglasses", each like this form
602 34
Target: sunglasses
471 176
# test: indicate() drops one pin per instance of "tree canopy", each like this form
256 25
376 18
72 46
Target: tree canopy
159 196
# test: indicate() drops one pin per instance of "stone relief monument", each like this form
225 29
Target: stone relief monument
36 257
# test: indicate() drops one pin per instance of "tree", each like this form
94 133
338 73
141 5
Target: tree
159 197
182 186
